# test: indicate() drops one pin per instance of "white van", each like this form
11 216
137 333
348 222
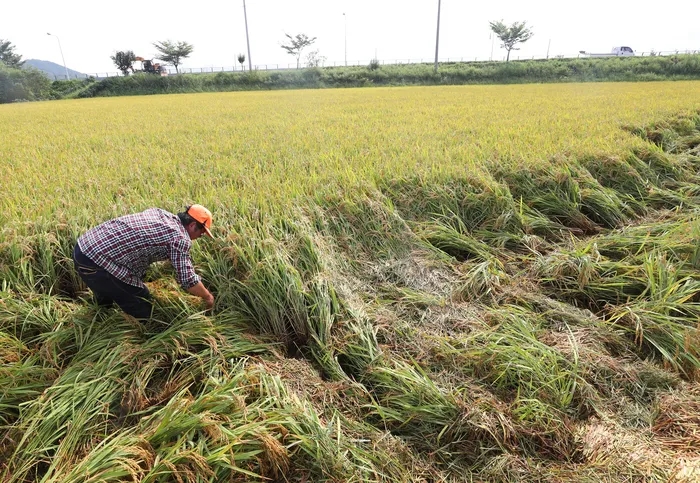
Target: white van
623 51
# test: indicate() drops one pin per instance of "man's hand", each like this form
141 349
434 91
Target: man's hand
209 302
200 291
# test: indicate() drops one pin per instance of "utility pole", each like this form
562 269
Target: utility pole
345 18
437 37
62 58
247 39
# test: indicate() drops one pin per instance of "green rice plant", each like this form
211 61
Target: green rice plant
585 277
685 144
619 175
542 429
298 306
269 290
566 269
668 198
334 448
605 207
664 317
605 354
544 383
15 267
358 350
69 416
23 377
483 281
33 318
183 354
453 242
474 203
324 310
307 255
674 126
408 403
121 456
44 263
553 191
673 233
502 241
215 435
40 261
222 432
663 165
409 297
553 313
366 226
651 294
53 263
511 357
54 328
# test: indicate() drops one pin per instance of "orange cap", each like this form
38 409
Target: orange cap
202 215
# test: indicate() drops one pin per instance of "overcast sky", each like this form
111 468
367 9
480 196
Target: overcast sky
89 32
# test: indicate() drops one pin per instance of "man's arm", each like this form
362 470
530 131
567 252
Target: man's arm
180 258
201 291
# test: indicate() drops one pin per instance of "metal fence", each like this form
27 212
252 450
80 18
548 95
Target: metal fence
362 63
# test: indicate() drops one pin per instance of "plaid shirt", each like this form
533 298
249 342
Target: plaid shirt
127 245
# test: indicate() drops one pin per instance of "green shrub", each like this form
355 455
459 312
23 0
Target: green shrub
455 73
63 89
23 85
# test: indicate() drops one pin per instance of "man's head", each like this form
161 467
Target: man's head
197 221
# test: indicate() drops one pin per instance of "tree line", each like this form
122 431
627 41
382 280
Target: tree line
174 52
20 83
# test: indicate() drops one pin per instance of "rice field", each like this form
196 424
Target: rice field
270 147
474 283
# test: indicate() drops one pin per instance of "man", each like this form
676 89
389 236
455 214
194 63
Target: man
112 258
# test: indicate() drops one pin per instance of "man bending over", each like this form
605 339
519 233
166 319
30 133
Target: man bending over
112 258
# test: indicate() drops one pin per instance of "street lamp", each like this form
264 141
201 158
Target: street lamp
63 58
345 19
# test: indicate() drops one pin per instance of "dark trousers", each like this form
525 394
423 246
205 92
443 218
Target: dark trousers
108 289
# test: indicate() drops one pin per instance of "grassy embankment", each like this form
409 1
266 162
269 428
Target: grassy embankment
416 284
678 67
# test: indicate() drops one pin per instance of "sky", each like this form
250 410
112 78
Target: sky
89 32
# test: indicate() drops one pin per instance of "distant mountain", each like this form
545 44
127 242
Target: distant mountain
52 70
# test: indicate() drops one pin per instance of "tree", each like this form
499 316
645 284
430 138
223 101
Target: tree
241 59
124 60
173 52
297 44
510 36
23 84
8 56
314 59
